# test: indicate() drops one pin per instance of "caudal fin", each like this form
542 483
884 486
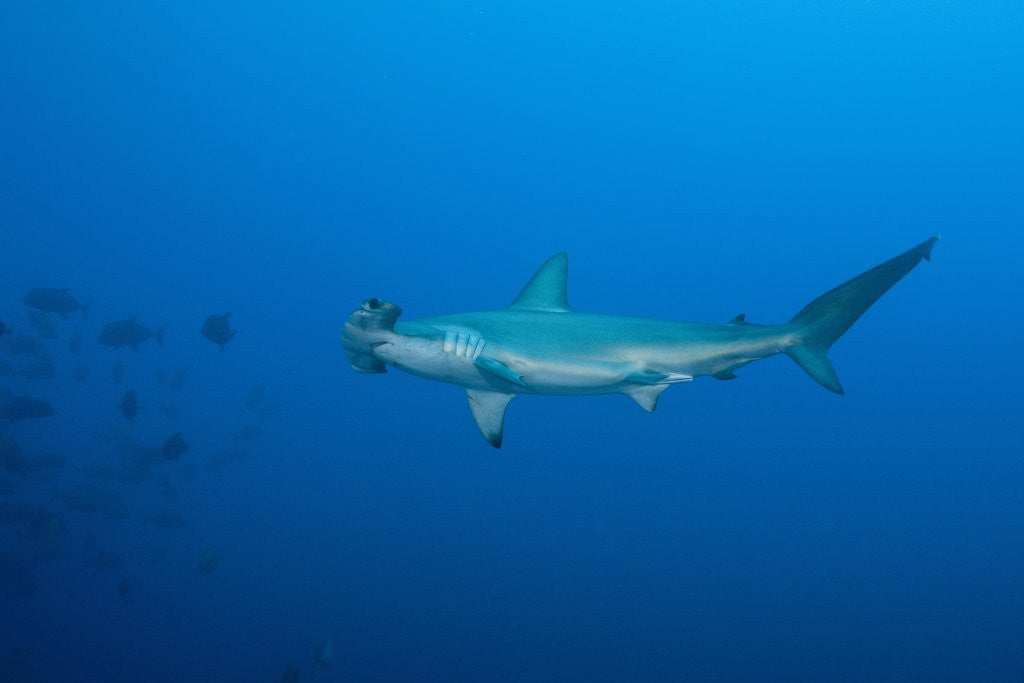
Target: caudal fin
824 320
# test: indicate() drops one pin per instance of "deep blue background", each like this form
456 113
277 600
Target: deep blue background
697 160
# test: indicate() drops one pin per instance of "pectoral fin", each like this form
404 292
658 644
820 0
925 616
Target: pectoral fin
488 408
499 369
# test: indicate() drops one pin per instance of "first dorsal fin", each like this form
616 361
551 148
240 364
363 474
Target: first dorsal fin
546 290
740 319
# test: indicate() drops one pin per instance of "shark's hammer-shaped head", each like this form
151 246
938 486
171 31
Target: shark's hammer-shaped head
369 326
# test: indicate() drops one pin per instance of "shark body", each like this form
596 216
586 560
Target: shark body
539 345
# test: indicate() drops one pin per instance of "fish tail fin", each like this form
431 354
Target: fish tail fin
820 323
159 334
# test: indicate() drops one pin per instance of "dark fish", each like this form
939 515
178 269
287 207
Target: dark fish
43 527
94 500
44 325
126 591
104 559
179 378
170 410
43 467
323 655
25 408
75 343
25 345
224 458
254 399
129 405
82 372
117 372
167 489
17 513
53 300
173 447
249 433
208 561
16 577
129 333
3 328
41 369
166 519
290 675
266 410
140 454
120 473
217 329
11 456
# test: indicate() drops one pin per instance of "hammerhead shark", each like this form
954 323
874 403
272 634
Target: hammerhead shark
540 345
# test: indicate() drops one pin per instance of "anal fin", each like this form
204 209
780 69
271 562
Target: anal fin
488 408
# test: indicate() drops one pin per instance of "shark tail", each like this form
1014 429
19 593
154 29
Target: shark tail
820 323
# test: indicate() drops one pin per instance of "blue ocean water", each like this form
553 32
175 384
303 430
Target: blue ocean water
283 161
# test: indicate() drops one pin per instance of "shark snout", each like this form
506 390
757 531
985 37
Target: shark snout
367 328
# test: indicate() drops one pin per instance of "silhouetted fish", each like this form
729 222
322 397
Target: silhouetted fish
129 333
44 325
126 591
254 399
179 378
323 655
290 675
129 405
249 433
81 372
217 329
117 372
121 473
41 369
165 519
3 328
173 447
170 410
208 561
43 467
11 455
25 345
104 559
222 459
25 408
139 453
16 577
92 499
53 300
